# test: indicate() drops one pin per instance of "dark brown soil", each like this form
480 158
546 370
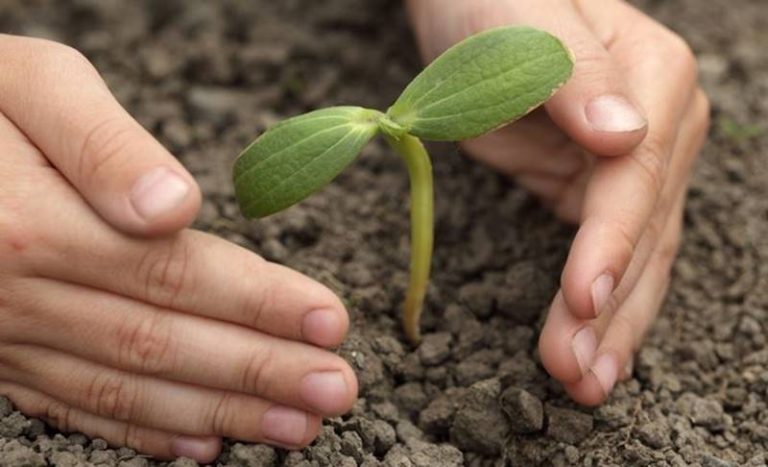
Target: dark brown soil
206 77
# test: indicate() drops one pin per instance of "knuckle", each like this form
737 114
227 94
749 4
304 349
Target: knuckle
132 437
165 272
652 160
667 252
256 303
58 414
626 240
113 397
147 345
592 62
255 372
623 325
682 50
221 416
57 56
703 115
102 146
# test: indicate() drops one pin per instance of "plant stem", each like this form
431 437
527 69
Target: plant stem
419 167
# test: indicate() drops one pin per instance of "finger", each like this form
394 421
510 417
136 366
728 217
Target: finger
596 107
59 101
568 344
199 274
143 339
532 145
158 404
156 443
626 240
627 326
624 192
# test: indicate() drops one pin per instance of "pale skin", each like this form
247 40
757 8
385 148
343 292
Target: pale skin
119 322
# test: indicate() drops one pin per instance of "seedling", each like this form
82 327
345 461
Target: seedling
480 84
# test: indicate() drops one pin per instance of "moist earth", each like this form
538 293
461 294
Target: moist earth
207 77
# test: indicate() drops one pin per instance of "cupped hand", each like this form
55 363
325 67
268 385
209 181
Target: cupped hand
164 343
611 151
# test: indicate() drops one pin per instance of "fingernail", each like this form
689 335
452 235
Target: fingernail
198 449
614 114
601 291
321 327
158 192
325 391
284 425
606 370
584 346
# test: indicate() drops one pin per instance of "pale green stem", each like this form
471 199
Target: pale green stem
422 228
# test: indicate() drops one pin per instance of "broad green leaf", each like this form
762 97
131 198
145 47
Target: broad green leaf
299 156
482 83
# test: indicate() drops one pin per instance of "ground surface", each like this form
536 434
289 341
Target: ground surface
208 76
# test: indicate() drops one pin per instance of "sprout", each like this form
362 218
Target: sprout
480 84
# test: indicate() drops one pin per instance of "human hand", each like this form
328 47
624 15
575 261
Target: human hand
612 150
163 344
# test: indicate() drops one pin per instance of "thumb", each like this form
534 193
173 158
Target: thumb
56 97
595 108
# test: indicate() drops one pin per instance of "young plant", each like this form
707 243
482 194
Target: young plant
478 85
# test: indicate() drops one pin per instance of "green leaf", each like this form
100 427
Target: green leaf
299 156
482 83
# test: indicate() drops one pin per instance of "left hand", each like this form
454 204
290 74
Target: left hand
611 151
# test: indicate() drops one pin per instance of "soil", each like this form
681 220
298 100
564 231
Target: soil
206 77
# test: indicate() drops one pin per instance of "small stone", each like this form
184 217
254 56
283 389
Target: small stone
384 436
479 424
352 445
435 348
568 426
65 459
407 431
525 411
5 407
184 462
99 444
711 461
15 453
428 455
655 434
704 412
478 297
134 462
36 428
571 454
370 461
438 415
386 411
411 397
468 372
122 453
108 457
252 455
398 456
13 425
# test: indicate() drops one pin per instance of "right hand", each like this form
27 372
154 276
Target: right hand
116 321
